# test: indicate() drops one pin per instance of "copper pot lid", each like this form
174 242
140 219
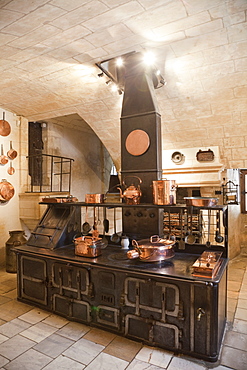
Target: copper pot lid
5 128
137 142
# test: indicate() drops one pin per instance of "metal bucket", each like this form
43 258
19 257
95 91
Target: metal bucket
16 239
164 192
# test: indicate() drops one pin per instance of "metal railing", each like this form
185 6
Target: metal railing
49 173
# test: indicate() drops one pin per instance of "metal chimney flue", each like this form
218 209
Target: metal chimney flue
140 146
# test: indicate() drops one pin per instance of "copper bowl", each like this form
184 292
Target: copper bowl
201 201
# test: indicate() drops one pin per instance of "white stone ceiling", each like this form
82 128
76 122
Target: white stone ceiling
48 51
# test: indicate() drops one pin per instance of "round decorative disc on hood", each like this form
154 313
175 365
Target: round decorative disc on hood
137 142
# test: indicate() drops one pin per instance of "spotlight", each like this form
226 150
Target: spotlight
149 58
101 74
119 62
114 87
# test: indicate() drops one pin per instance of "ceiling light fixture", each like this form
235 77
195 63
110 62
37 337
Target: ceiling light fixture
101 74
119 62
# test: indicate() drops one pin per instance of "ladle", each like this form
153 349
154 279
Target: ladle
181 244
218 238
190 238
105 222
86 227
104 238
115 237
208 244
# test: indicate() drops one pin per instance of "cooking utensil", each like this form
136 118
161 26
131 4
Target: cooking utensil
95 232
5 127
155 249
201 201
104 239
131 194
3 158
164 192
105 222
11 169
190 238
208 244
11 153
94 198
115 238
7 191
181 243
86 227
218 238
88 246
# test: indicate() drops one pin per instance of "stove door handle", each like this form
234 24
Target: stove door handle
199 313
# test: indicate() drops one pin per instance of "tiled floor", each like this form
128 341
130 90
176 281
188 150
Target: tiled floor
33 339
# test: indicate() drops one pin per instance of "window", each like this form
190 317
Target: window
243 190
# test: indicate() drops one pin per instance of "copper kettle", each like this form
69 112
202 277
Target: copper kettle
131 194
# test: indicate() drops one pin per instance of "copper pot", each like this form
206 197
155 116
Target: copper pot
7 191
5 128
12 153
155 249
95 198
201 201
164 192
3 158
88 246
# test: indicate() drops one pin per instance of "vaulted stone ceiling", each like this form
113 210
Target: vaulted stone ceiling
48 51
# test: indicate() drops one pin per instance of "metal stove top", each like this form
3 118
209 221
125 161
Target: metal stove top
180 266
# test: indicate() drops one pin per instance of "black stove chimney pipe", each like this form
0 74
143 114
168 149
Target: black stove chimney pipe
141 145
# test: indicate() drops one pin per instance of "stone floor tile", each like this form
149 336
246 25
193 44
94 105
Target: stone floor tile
234 358
123 348
13 327
236 340
73 330
83 351
231 304
105 361
99 336
231 294
56 321
235 274
240 326
242 295
13 309
53 345
242 303
234 286
12 294
34 316
30 360
38 332
15 346
3 338
3 361
63 363
178 363
4 299
155 356
241 314
141 365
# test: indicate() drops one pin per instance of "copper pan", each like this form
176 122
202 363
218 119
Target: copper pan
7 191
5 128
11 169
3 158
12 153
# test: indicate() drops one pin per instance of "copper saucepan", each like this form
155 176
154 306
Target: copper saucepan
11 169
7 191
12 153
155 249
3 158
5 128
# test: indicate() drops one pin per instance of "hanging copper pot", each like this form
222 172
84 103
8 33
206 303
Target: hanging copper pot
3 158
7 191
12 153
5 127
